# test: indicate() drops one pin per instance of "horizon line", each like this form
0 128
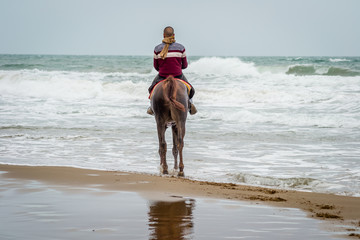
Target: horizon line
151 55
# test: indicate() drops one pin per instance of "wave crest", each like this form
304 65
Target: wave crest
222 66
305 70
336 71
339 60
301 70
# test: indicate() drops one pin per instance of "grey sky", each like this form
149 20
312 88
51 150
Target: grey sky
205 27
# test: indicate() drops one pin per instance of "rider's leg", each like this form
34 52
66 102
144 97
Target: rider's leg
156 80
192 108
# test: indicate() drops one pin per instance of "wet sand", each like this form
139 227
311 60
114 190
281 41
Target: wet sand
71 203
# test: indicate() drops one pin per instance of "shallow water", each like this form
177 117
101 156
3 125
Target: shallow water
283 122
33 210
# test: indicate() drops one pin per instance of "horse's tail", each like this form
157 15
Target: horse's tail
171 93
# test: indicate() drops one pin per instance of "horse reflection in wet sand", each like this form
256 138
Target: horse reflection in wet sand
171 220
170 103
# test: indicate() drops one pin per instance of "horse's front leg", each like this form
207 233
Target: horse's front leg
175 143
162 148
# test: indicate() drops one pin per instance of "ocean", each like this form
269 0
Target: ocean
280 122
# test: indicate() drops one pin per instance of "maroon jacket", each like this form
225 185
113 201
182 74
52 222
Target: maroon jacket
174 61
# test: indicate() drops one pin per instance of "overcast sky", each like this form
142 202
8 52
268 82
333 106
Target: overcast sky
204 27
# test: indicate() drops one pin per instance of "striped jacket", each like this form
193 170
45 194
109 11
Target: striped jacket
174 62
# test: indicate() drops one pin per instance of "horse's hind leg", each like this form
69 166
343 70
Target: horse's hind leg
162 148
180 146
175 143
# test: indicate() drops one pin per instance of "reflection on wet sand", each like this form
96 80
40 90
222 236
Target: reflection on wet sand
171 220
35 210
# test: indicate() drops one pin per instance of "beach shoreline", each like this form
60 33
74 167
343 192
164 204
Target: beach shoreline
335 210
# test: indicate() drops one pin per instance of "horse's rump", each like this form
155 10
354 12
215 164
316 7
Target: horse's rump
170 95
172 91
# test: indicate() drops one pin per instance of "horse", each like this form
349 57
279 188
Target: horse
170 104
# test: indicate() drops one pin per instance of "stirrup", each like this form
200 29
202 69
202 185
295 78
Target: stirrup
150 111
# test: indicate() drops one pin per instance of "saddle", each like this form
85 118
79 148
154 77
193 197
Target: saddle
188 86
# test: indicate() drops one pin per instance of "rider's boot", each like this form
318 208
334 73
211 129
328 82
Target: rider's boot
150 111
192 108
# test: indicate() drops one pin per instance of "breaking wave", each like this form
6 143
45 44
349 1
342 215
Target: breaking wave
63 85
301 70
304 70
339 60
232 66
336 71
223 67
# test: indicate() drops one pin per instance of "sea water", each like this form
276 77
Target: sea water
283 122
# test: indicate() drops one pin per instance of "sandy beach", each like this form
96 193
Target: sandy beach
339 215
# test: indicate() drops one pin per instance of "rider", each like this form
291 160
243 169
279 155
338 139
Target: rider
170 59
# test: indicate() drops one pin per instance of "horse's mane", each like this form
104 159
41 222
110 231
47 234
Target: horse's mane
170 95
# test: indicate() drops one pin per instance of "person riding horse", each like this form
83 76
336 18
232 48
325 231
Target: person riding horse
169 60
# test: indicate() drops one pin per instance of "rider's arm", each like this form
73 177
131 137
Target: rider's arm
156 62
184 62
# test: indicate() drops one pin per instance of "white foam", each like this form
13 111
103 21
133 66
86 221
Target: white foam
222 66
339 60
72 85
307 184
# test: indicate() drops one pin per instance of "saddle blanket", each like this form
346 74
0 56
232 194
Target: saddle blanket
188 86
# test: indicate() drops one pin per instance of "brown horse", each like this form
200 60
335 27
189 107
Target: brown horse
170 103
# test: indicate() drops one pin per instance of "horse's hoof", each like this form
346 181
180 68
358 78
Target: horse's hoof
181 174
163 170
